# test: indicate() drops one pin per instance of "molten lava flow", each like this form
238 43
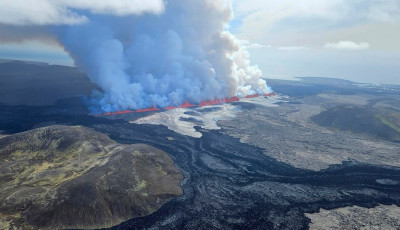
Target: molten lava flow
118 112
170 107
186 105
269 94
252 96
232 99
216 101
152 108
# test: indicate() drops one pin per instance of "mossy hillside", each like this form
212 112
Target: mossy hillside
48 175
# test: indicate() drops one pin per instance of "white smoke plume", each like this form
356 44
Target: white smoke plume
162 59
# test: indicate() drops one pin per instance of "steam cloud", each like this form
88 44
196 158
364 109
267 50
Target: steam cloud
162 59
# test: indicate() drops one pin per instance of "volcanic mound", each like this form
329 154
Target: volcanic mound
73 177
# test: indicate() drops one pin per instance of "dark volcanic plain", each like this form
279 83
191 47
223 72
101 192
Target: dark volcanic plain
232 180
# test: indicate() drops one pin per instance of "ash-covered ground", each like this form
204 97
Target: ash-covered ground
266 167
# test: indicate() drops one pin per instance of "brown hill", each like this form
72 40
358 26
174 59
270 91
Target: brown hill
73 177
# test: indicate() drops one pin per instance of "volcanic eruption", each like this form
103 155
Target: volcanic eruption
162 59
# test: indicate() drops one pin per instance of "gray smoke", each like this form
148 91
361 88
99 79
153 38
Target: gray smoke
162 59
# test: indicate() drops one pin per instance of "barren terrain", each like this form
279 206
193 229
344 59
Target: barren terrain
381 217
73 177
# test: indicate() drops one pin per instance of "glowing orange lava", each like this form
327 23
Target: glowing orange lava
252 96
186 105
152 108
216 101
170 107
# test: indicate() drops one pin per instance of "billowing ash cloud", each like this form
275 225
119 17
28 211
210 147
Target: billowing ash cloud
158 55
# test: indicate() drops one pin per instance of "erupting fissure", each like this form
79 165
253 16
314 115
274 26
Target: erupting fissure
216 101
186 105
252 96
161 57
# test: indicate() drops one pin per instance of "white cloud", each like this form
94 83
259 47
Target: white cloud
291 8
257 46
347 45
378 10
250 45
292 48
52 12
372 28
115 7
244 42
39 12
262 20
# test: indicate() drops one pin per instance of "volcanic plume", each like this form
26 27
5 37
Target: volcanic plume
184 53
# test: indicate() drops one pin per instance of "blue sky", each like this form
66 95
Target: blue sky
351 39
35 51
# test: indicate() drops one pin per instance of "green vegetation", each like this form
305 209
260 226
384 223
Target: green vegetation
392 121
141 186
160 169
